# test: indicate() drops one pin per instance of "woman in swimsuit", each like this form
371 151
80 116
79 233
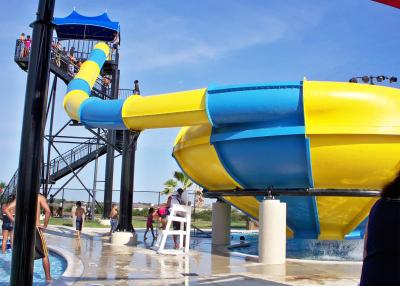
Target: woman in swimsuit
8 226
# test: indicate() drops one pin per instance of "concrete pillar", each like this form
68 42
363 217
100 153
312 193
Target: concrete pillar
221 223
124 238
272 233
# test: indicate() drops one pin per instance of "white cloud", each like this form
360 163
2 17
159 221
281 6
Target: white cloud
170 42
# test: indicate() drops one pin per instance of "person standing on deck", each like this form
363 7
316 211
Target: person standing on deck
113 218
8 226
41 251
79 214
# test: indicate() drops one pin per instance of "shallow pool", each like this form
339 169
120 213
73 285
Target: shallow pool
57 268
312 249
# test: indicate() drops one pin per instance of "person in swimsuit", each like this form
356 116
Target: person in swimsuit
175 198
41 251
79 213
381 264
113 218
149 223
8 226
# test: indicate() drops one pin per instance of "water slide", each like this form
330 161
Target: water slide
304 134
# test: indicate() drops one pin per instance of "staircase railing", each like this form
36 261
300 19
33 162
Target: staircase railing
64 64
66 67
75 154
11 187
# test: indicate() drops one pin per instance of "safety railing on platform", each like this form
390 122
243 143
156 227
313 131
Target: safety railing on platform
69 66
82 48
124 93
75 154
79 49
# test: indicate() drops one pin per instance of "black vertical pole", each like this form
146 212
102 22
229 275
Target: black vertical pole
127 179
53 96
109 173
31 146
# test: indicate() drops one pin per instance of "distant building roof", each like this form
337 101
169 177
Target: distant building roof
77 26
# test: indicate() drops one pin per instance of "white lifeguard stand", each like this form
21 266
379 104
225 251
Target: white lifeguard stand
182 214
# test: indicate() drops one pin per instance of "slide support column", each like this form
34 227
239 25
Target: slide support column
272 233
109 172
221 223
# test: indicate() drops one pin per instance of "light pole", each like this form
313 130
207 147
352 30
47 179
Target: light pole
370 79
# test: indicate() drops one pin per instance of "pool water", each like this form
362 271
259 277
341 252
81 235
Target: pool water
57 268
310 249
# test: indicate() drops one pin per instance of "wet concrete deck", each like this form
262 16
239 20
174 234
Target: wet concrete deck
105 264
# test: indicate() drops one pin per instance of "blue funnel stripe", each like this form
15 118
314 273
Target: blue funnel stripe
260 139
98 56
359 231
238 104
262 162
98 113
79 84
309 169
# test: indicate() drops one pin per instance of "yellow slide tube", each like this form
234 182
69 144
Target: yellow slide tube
177 109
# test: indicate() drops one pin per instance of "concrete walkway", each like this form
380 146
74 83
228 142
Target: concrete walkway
104 264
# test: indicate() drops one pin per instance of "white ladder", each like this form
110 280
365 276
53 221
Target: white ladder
184 217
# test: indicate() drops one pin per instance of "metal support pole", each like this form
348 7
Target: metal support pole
53 98
96 164
109 172
127 181
62 203
31 146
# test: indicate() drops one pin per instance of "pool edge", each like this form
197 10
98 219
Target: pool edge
74 270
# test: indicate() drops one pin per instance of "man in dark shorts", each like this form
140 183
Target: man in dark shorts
41 251
79 213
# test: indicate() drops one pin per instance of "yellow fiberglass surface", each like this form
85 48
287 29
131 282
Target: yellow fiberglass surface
354 133
165 110
198 158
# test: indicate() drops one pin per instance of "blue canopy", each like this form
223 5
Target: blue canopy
77 26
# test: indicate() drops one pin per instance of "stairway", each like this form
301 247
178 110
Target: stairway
75 158
83 153
62 67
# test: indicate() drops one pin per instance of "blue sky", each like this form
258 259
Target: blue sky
177 45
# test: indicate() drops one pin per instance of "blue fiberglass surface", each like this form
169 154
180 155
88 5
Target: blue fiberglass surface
98 113
98 57
259 134
80 84
262 162
57 268
236 104
302 216
359 231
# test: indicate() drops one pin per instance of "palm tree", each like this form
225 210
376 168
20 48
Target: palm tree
179 179
2 186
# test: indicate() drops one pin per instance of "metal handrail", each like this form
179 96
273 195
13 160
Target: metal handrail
11 186
75 154
82 48
124 93
63 61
